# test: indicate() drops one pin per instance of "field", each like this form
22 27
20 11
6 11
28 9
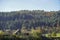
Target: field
57 35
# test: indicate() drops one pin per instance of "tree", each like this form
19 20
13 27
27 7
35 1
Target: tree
54 34
1 32
36 32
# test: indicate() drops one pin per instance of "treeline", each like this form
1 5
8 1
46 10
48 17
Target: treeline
17 19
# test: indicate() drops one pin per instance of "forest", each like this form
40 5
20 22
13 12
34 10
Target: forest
29 24
17 19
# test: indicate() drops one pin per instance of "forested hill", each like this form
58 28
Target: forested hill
35 18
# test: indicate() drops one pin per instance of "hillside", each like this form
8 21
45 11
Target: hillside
35 18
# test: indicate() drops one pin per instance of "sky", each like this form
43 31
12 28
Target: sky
14 5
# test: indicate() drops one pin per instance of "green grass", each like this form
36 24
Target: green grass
57 35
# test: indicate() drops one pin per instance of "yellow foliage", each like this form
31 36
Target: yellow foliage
35 32
53 34
1 32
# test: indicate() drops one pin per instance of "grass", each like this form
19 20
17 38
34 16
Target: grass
57 35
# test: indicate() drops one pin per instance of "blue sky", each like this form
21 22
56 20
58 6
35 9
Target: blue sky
13 5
